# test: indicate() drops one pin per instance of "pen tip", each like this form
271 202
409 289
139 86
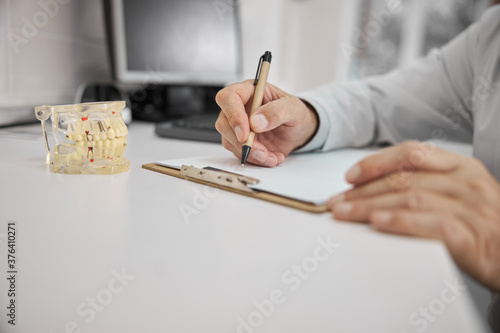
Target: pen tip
245 151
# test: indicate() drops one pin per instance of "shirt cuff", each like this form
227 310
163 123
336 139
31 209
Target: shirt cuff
318 140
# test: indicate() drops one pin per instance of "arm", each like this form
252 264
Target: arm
422 101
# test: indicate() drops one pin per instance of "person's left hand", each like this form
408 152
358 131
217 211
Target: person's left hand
419 190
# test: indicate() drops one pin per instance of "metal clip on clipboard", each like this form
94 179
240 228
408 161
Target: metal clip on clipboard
233 182
219 177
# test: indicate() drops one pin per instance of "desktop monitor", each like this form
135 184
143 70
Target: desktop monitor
175 42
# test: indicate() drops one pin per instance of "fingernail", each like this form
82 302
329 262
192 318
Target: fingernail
239 133
336 199
343 208
259 122
259 156
353 173
382 219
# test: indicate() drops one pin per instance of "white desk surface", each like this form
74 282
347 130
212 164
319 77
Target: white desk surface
75 233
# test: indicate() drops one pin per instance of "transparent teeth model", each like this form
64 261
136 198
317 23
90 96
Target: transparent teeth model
90 138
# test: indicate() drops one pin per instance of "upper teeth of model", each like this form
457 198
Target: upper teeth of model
104 138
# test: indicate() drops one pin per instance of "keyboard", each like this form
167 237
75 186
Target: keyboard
199 128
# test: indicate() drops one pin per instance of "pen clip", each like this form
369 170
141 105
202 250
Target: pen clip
257 75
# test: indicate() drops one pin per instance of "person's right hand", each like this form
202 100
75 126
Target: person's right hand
282 124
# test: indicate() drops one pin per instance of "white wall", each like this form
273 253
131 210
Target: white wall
54 45
302 34
45 65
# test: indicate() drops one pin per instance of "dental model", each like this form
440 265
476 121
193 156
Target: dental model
90 138
103 138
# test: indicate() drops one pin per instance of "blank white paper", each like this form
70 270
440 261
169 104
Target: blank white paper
312 177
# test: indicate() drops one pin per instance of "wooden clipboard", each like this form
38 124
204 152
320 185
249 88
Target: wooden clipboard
234 183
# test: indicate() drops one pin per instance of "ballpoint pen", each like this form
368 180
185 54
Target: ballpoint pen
260 88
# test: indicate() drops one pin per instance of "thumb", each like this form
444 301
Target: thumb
272 115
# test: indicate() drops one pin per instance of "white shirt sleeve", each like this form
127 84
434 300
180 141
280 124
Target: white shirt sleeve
437 97
495 313
425 100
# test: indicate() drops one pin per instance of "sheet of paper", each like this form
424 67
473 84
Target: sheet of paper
313 177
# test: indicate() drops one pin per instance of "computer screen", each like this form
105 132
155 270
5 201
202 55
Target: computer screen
176 41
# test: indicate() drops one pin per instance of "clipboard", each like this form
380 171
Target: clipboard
233 182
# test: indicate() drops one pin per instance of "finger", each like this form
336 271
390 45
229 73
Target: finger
462 244
417 200
285 110
229 146
408 156
403 181
225 130
280 156
411 223
232 100
259 155
456 235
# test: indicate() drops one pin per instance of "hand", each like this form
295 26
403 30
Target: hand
282 124
419 190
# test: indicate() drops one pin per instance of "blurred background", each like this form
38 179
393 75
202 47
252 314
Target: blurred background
168 58
49 49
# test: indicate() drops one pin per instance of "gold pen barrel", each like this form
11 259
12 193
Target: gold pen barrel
258 96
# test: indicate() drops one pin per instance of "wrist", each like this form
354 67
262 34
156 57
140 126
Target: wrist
311 124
